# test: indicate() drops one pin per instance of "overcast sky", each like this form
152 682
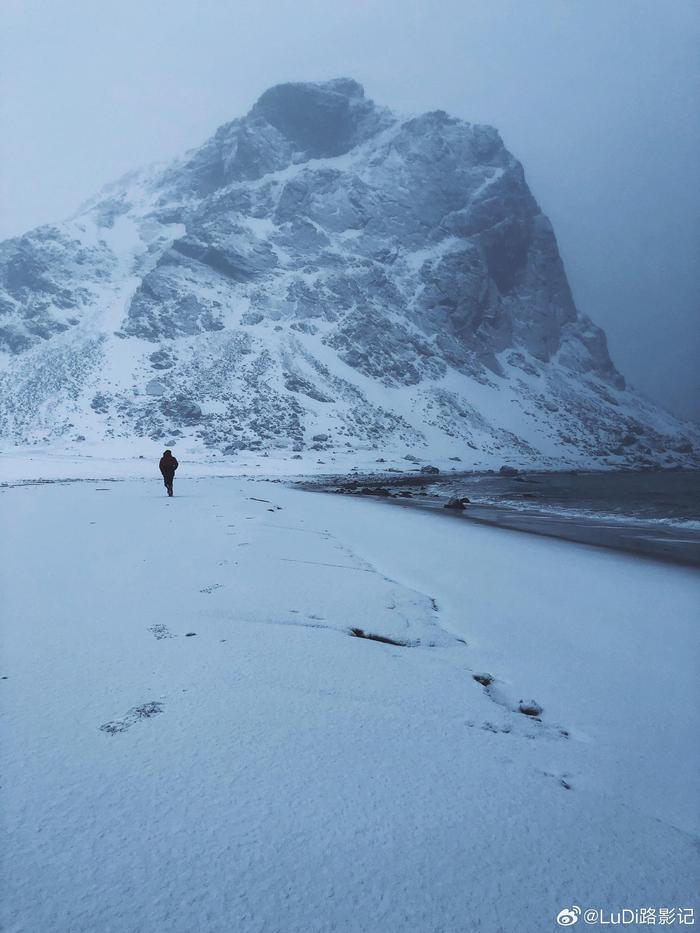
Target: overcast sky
598 98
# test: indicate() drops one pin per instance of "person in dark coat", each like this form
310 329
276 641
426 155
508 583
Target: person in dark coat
168 465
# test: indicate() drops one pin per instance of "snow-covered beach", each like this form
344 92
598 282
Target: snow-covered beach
194 740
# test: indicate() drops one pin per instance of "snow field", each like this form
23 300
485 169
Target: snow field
193 740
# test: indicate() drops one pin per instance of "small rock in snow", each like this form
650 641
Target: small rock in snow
484 679
530 708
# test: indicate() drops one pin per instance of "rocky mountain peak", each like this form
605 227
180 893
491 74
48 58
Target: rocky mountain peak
319 267
325 119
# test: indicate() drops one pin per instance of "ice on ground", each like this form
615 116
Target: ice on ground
273 772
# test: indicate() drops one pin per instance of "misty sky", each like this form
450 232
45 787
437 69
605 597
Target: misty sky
598 98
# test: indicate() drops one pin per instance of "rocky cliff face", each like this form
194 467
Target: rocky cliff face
319 274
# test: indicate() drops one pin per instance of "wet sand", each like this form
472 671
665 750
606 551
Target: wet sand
649 540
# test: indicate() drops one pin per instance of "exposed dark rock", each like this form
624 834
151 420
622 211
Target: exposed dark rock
384 639
181 410
456 503
530 708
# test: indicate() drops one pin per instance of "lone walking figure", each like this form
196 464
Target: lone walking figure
168 465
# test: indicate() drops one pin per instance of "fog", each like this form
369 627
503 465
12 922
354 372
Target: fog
599 101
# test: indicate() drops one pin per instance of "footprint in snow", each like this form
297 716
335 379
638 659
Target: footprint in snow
161 631
530 709
135 714
562 779
211 588
489 727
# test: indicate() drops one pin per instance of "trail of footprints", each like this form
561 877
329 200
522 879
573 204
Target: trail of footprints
524 718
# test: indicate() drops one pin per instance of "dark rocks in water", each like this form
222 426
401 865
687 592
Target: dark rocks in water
384 639
381 491
430 470
405 494
456 503
189 634
530 708
484 679
411 458
456 458
508 471
320 437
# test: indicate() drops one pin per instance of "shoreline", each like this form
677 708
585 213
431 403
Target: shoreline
637 537
662 538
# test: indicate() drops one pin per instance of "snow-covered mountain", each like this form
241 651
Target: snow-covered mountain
321 274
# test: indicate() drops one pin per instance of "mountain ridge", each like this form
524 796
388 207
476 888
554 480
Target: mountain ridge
319 268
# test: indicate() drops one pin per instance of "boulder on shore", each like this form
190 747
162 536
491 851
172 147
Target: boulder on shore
458 503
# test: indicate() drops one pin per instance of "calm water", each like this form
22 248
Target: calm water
672 498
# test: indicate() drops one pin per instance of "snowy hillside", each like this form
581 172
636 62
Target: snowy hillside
321 275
